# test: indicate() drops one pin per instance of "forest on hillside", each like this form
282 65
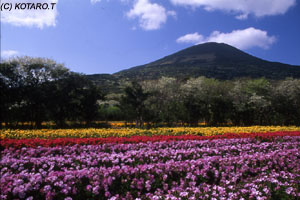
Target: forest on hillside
38 90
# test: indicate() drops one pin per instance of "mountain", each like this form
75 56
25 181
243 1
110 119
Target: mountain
212 60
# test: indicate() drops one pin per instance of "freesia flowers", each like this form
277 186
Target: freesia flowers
241 168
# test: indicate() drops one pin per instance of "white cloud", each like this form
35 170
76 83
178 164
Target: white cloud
190 38
31 18
242 39
151 15
8 53
243 8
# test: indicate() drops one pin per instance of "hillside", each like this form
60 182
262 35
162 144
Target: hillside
212 60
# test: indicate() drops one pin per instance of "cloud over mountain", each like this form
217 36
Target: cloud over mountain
242 39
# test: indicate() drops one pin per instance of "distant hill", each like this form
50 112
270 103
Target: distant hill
212 60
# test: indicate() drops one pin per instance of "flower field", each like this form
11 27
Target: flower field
128 132
248 163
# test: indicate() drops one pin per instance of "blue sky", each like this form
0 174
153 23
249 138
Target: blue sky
106 36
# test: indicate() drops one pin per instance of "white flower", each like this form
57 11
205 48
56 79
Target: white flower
183 194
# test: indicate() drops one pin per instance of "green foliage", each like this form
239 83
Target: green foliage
110 113
133 103
37 89
239 102
164 91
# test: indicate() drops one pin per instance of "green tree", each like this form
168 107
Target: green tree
133 103
164 101
10 94
286 101
194 101
73 98
215 95
30 77
252 102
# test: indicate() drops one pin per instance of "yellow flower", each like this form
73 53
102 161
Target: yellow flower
127 132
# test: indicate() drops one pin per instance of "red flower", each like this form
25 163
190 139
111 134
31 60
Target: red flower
18 143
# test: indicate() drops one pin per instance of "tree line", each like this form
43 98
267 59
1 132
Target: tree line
37 90
240 102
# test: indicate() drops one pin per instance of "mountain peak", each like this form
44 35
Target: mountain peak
219 51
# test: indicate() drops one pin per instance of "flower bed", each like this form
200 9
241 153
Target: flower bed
126 132
18 143
240 168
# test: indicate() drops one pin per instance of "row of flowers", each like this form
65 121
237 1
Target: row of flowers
18 143
114 124
126 132
241 168
126 124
